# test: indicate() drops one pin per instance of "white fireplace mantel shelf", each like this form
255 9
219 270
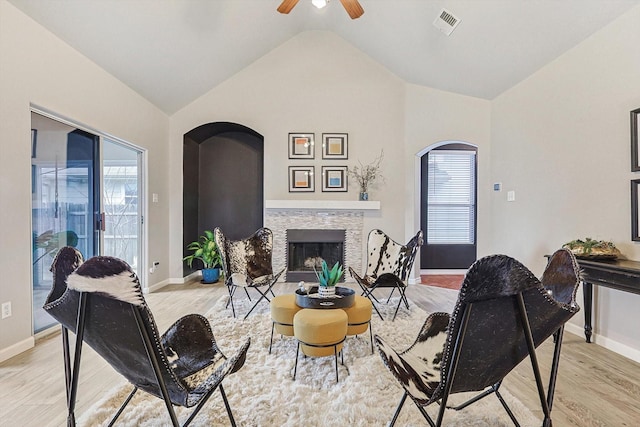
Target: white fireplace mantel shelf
352 205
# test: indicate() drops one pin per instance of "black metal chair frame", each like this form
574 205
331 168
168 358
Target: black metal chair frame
546 398
503 312
231 287
72 371
399 284
390 280
335 353
263 295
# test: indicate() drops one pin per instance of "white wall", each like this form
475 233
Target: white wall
317 82
314 82
36 67
560 139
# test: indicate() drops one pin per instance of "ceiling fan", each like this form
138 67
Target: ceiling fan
352 7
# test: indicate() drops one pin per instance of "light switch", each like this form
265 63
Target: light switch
154 197
511 196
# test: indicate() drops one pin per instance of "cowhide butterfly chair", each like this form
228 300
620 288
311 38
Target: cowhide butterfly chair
102 302
389 265
246 263
502 314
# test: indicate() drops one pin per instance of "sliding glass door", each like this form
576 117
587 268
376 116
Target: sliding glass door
64 200
86 193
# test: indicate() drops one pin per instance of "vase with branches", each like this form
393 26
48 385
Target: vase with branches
365 175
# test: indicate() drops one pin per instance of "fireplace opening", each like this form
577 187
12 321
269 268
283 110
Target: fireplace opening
307 248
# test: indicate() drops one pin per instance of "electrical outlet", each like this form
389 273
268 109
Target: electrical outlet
6 309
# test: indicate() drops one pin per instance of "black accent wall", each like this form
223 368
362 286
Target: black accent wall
223 170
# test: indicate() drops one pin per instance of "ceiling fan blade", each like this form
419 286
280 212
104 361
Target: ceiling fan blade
353 8
287 5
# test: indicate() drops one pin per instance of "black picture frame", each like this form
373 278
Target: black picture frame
335 146
635 208
301 145
635 151
301 179
334 179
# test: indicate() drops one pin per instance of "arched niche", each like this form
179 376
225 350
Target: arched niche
223 167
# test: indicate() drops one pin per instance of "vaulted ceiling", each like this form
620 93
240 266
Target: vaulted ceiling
173 51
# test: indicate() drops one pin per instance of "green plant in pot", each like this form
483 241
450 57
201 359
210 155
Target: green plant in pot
206 250
327 278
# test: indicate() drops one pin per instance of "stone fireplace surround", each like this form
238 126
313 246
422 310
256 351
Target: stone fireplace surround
281 215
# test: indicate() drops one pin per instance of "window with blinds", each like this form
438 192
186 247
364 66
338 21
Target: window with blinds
451 197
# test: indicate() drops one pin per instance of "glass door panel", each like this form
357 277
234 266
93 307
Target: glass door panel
63 202
121 204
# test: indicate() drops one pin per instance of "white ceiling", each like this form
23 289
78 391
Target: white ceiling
173 51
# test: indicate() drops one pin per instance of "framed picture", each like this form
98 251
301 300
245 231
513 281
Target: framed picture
334 178
301 145
635 152
301 179
335 146
635 208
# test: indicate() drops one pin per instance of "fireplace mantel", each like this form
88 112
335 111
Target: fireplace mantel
351 205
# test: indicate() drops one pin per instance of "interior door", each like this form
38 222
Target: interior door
448 207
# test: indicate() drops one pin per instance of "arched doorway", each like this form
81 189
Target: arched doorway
448 205
223 168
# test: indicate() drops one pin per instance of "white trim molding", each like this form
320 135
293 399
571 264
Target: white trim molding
351 205
608 343
17 348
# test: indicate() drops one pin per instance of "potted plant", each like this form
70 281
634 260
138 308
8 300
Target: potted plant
327 279
206 250
366 174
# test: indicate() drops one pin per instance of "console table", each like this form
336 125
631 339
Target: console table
623 275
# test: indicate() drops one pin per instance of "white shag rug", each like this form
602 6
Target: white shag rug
263 392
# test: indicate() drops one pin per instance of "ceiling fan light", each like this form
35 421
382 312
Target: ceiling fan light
319 3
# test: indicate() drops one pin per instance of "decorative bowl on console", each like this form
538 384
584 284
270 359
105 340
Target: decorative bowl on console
593 249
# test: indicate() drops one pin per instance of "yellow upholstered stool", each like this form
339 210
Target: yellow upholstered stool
320 332
283 308
359 317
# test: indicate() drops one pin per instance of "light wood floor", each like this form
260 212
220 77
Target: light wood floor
595 386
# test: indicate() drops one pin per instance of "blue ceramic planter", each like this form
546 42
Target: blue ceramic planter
210 275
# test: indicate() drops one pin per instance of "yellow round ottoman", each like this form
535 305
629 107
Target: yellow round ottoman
359 317
320 332
283 308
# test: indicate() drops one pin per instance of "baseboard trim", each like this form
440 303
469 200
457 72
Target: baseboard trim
17 348
460 272
175 281
608 343
158 286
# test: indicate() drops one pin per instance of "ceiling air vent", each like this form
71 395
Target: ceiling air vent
446 22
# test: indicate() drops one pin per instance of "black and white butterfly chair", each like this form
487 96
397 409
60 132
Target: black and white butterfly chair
389 265
246 263
502 314
102 303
